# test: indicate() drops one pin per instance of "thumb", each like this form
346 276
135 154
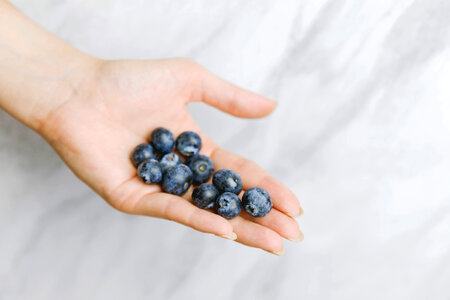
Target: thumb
232 99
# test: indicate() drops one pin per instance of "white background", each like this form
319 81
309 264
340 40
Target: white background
361 135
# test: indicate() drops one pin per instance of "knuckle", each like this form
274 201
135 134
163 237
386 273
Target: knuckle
265 181
186 62
240 163
254 166
126 205
168 212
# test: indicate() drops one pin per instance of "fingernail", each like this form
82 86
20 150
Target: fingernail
298 238
231 236
298 214
279 253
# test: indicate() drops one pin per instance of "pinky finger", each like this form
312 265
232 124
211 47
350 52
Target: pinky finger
174 208
255 235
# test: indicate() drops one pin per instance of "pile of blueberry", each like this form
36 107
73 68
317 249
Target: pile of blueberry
157 164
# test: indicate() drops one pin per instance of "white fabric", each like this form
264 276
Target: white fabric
361 135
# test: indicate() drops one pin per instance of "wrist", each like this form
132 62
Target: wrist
76 81
36 88
38 71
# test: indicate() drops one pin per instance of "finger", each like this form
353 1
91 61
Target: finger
174 208
232 99
253 175
258 236
282 224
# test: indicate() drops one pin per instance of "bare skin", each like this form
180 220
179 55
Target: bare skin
93 112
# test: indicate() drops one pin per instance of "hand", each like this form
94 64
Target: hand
95 112
115 107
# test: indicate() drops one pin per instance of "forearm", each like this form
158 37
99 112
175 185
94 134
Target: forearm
38 71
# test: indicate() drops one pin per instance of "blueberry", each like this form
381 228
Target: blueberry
257 202
205 195
228 205
202 168
189 143
142 152
227 181
177 180
162 140
169 160
149 171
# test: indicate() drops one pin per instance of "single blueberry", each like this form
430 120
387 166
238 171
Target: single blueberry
228 205
205 195
149 171
189 143
227 181
169 160
177 180
257 202
142 152
202 168
162 140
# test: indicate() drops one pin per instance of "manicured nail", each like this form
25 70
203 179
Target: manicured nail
298 238
231 236
279 253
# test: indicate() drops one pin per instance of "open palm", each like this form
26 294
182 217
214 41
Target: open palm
115 108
